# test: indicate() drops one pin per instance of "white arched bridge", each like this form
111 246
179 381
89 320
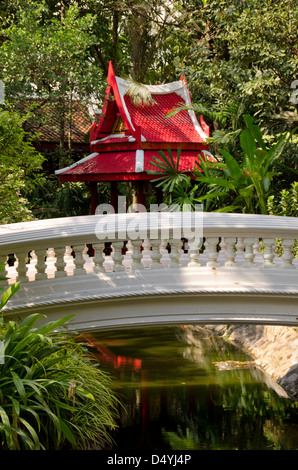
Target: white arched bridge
127 270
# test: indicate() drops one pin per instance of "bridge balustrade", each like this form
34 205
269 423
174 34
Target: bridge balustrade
57 248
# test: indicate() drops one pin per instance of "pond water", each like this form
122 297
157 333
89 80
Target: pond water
190 390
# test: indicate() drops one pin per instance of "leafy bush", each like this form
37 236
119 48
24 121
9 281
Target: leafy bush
227 184
285 203
20 166
246 185
52 395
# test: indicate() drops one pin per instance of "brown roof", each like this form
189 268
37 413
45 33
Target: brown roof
45 120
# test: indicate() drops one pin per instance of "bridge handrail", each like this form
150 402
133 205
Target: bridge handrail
233 233
83 227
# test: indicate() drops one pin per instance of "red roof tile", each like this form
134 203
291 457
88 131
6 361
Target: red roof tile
144 127
103 166
156 126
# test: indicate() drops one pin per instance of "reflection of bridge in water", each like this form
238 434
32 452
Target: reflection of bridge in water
236 276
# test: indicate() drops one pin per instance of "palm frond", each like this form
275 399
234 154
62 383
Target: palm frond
139 94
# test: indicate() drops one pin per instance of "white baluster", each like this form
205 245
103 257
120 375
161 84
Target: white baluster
230 251
156 254
22 258
127 261
146 247
194 254
137 255
4 272
117 256
240 251
259 258
60 262
69 260
268 252
79 260
40 264
249 254
165 259
288 256
212 253
221 259
163 247
175 252
146 253
98 257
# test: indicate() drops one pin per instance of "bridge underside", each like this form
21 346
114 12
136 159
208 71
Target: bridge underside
112 300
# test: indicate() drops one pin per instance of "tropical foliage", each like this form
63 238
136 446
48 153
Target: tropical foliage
250 181
238 58
53 395
20 167
284 203
230 184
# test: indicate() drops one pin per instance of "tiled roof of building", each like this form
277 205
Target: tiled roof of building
45 121
123 138
108 166
157 126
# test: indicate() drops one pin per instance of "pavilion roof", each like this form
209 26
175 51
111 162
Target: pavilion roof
126 165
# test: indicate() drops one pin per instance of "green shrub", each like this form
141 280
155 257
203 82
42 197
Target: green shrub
52 393
285 204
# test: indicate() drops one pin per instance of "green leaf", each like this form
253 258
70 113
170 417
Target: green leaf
282 165
231 165
246 192
172 159
15 405
9 293
247 143
210 196
19 386
29 409
32 432
24 437
260 155
230 208
68 433
275 152
217 182
7 428
255 130
266 183
85 393
51 326
29 321
2 266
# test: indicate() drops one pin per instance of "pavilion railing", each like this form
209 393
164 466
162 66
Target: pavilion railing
58 248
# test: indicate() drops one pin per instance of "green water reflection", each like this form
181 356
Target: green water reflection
176 397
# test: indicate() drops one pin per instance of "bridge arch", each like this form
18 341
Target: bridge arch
233 275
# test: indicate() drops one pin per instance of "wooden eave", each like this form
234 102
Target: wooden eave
101 147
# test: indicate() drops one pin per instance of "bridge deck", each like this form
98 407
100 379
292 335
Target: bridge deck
235 276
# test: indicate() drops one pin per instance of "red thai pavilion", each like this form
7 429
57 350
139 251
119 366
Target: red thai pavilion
127 135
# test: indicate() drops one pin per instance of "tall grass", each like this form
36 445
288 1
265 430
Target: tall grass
52 394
